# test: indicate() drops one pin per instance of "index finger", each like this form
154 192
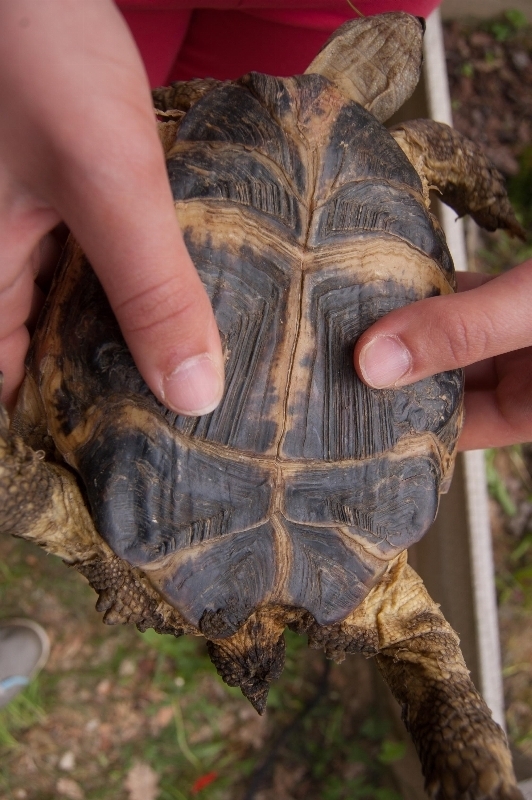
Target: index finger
448 332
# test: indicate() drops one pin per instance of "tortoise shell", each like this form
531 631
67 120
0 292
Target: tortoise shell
306 222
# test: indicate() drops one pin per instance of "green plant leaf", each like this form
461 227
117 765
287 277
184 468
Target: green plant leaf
522 548
391 751
516 18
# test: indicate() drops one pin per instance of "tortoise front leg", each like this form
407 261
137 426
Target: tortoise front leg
42 502
463 752
460 170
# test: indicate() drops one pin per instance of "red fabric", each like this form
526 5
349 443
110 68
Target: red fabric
159 36
183 39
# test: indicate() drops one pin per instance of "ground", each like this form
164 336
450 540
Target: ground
119 715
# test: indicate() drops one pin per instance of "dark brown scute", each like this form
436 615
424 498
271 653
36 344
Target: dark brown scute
152 494
388 502
356 422
250 293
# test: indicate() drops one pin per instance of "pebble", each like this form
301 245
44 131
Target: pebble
67 762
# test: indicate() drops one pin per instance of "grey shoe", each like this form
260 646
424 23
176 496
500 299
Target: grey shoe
24 649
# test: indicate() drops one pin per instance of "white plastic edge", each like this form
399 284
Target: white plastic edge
480 547
480 544
439 103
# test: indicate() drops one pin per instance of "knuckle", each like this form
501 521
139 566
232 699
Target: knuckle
154 307
469 337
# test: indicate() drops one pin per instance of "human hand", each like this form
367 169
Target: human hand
78 143
485 327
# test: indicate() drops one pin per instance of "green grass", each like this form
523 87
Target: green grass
22 712
497 486
514 578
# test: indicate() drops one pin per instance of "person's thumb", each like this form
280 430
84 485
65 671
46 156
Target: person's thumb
131 236
106 176
80 138
444 333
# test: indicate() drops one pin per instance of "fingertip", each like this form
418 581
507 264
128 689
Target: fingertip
384 361
195 386
173 337
182 361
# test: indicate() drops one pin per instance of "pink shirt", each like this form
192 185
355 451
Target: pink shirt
183 39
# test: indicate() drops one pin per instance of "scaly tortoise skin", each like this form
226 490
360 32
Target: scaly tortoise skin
293 503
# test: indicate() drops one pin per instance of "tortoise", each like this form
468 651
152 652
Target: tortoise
293 503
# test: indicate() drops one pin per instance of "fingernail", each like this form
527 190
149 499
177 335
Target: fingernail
383 361
194 388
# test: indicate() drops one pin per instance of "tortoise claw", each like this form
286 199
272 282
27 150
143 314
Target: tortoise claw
257 693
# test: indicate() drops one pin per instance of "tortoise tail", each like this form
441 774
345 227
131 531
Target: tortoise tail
252 658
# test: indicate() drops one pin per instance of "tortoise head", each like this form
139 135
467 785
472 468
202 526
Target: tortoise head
375 61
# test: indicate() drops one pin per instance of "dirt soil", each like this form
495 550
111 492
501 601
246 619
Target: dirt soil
490 77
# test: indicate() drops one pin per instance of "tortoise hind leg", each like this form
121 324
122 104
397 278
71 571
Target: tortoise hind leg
463 752
460 171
